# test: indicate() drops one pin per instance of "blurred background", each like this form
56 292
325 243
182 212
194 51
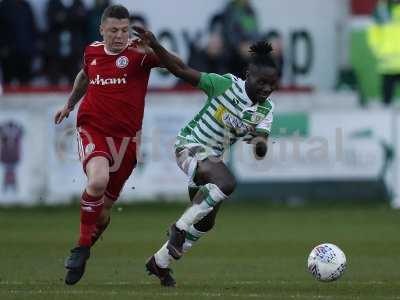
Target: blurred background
336 131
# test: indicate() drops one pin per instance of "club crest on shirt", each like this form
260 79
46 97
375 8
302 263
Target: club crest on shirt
122 62
256 118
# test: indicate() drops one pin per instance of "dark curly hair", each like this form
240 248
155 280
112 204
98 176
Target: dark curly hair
261 54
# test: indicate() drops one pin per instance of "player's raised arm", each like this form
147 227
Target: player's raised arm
78 91
173 63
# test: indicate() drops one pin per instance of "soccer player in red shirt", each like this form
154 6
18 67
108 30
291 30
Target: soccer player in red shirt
113 82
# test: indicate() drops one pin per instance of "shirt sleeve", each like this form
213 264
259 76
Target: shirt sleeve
213 84
265 125
150 60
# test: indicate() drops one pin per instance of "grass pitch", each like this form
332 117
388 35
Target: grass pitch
257 251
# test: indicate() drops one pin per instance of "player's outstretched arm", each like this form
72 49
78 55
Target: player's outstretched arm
79 89
173 63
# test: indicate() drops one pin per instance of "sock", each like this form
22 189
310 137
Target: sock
192 236
100 228
193 214
90 210
198 211
162 257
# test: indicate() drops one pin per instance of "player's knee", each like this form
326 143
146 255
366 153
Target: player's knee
98 184
227 186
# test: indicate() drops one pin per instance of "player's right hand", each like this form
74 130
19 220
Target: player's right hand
61 114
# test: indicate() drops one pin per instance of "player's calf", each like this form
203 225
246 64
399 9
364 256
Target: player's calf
213 196
196 231
176 241
103 220
100 228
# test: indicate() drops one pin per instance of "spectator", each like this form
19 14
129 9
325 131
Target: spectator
18 37
383 11
138 20
383 39
213 57
66 38
93 20
240 30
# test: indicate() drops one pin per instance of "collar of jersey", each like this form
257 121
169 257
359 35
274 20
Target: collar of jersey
111 53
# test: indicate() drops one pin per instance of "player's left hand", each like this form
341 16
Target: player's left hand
62 114
248 138
252 137
145 35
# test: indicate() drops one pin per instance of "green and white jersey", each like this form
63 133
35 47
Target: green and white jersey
227 116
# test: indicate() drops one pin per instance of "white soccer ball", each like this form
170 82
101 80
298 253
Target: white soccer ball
326 262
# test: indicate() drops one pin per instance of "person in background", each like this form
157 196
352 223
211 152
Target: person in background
213 57
383 11
138 20
240 31
66 38
94 19
383 39
18 38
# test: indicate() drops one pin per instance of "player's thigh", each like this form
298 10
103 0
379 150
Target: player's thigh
188 159
92 144
216 172
120 176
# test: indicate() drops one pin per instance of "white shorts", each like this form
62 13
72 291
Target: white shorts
188 154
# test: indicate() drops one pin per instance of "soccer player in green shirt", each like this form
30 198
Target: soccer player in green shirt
234 109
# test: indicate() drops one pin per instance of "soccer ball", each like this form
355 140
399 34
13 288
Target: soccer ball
326 262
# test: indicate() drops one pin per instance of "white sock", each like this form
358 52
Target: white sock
192 236
162 257
198 211
193 214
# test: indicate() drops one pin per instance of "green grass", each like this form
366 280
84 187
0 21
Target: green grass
257 251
